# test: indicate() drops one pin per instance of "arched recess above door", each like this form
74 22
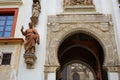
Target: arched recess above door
81 47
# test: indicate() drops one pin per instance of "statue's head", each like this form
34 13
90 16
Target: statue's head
36 1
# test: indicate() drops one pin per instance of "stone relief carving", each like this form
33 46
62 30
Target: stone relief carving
31 38
78 2
36 9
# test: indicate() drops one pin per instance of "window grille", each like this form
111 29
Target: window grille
6 58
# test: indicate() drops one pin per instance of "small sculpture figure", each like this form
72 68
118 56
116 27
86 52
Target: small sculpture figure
36 9
31 38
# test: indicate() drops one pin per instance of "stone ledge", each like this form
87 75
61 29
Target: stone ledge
10 2
79 13
77 18
11 40
82 8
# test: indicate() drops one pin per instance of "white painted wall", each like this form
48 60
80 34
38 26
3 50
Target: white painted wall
24 17
116 21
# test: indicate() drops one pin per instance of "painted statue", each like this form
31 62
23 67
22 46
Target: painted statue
31 38
36 9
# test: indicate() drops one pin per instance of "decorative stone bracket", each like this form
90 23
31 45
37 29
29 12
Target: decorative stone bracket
30 59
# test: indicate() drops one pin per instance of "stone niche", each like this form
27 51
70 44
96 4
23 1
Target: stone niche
98 26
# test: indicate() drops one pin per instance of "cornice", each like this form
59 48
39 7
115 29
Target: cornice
11 40
10 2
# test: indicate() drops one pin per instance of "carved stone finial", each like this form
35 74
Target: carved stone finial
31 38
36 9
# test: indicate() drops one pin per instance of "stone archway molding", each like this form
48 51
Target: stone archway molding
95 25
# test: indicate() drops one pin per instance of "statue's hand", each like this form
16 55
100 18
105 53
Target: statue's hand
22 28
38 42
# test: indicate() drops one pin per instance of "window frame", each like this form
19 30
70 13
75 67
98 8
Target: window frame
9 11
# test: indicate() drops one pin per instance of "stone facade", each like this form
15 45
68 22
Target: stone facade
66 21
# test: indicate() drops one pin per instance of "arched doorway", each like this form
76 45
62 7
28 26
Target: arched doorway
82 49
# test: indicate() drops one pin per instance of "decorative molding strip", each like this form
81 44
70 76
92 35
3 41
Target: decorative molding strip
80 8
11 40
78 18
11 2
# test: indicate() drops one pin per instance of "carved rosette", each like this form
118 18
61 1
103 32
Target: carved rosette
29 59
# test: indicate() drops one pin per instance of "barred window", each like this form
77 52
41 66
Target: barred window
6 59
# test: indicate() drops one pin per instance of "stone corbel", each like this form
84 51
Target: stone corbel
30 59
